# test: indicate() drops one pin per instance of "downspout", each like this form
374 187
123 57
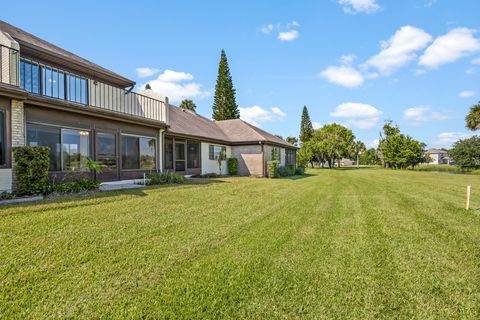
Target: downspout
160 150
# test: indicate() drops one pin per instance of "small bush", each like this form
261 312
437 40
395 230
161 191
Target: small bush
299 170
31 169
166 177
6 196
72 186
286 171
208 175
232 164
272 167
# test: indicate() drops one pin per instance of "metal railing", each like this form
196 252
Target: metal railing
9 65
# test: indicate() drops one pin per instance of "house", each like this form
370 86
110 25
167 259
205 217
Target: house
52 97
439 156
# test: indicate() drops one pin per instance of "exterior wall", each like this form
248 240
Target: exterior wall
211 166
250 160
17 131
5 180
268 154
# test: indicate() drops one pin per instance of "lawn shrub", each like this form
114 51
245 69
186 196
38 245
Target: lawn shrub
6 196
72 186
272 169
232 164
286 171
300 170
166 177
31 169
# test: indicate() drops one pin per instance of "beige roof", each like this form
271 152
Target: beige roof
235 131
40 47
435 151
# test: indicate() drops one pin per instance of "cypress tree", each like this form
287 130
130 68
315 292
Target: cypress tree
224 104
306 128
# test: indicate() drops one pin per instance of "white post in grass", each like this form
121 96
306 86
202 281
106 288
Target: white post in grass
467 206
144 180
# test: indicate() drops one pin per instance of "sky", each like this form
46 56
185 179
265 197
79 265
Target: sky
353 62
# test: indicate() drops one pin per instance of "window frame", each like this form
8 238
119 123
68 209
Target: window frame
212 155
4 135
139 154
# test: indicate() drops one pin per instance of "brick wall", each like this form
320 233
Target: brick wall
18 131
250 160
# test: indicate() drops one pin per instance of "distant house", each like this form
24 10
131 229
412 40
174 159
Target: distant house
439 156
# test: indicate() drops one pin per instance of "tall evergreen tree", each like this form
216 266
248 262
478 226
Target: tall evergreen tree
224 104
306 128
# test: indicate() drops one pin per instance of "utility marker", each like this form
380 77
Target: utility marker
467 206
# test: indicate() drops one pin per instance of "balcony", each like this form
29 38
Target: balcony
46 81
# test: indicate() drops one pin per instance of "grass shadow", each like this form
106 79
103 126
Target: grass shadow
298 177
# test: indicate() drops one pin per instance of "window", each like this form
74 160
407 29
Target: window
168 154
75 148
193 155
290 156
138 152
216 152
179 156
76 89
53 83
30 76
276 153
44 136
107 150
3 147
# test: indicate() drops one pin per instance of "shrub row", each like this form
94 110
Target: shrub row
166 177
273 170
232 164
31 169
72 186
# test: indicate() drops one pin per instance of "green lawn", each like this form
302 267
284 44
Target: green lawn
366 243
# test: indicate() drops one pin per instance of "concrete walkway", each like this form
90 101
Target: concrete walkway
122 184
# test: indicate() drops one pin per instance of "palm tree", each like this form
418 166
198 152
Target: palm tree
473 118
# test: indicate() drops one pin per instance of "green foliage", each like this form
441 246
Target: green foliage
224 105
72 186
292 140
369 157
466 152
299 171
332 143
31 169
232 164
446 168
401 151
165 177
6 196
272 168
473 118
188 104
306 127
286 171
92 165
306 154
275 153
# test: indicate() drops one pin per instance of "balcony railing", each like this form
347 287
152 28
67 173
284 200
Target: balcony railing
9 62
47 81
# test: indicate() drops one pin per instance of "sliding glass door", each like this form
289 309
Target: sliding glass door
107 155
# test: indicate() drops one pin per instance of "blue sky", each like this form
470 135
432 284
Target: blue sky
355 62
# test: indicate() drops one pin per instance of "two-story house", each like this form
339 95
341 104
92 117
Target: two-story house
52 97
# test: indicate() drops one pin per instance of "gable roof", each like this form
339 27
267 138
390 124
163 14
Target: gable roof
40 48
230 132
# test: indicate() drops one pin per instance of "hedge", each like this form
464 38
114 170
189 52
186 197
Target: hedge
31 169
232 164
272 167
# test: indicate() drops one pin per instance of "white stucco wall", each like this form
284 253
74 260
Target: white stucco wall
211 166
5 180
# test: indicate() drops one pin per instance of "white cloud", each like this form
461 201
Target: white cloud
447 139
267 29
177 86
466 94
288 35
345 76
256 115
418 115
476 61
450 47
356 6
146 72
399 49
316 125
372 144
358 115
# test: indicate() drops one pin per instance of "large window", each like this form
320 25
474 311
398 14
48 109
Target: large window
45 136
138 152
3 147
290 156
30 76
53 83
75 148
216 152
68 147
76 89
193 155
276 153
